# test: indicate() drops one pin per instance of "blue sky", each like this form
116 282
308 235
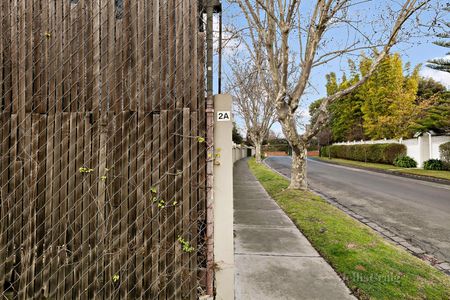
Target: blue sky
416 51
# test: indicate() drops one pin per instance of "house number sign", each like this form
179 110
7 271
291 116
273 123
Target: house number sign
223 116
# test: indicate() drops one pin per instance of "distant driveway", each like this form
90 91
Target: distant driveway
415 210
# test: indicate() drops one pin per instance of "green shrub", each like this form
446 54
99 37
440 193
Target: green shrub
404 161
434 164
445 154
375 153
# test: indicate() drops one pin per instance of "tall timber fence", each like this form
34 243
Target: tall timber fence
102 168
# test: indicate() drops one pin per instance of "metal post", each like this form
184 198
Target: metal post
219 76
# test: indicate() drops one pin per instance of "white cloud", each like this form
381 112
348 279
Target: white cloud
442 77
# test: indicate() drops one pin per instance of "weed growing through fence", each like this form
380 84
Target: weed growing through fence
85 170
162 204
186 246
115 278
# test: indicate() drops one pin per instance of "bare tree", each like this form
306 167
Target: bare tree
315 33
250 90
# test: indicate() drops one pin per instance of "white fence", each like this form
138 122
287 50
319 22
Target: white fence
423 148
241 151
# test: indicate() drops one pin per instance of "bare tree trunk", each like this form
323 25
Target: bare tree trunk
298 169
258 152
289 126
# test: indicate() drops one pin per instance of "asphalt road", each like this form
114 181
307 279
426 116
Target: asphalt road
416 210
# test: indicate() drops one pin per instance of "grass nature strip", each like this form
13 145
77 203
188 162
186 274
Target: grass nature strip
389 168
371 267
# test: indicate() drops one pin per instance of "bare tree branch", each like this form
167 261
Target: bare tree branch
251 91
271 26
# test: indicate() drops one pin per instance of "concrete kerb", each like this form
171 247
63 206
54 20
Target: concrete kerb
389 236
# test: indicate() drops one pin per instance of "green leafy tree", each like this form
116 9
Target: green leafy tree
332 84
428 88
346 121
436 117
389 108
394 103
442 64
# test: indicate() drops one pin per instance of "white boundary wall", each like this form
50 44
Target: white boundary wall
240 152
423 148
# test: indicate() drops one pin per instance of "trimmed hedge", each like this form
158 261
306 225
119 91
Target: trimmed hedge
376 153
445 154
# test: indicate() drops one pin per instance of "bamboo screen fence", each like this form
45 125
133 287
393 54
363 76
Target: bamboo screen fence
102 166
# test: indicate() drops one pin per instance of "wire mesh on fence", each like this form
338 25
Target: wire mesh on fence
103 160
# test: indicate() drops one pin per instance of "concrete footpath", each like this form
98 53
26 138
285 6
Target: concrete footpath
273 260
